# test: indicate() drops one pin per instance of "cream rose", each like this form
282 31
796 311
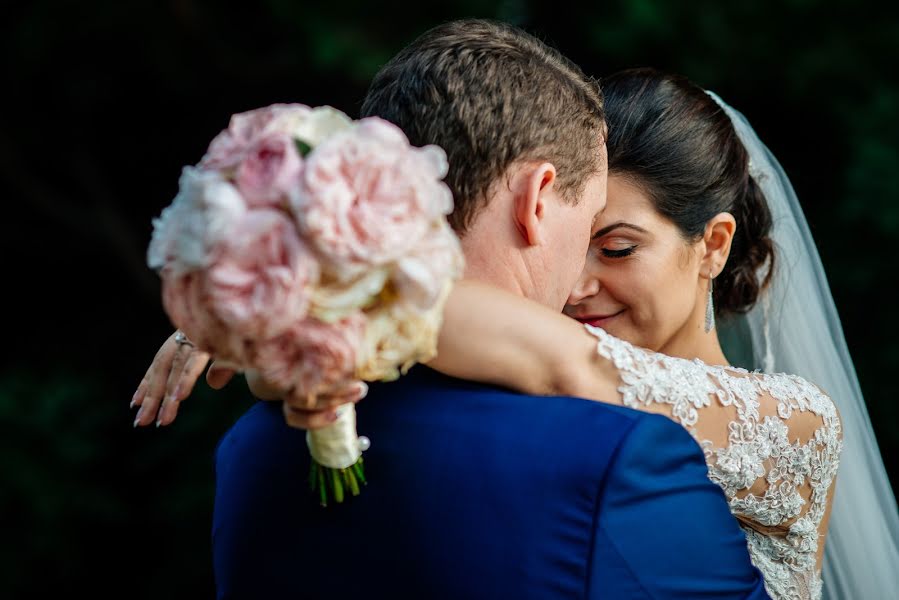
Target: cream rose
421 276
187 234
398 336
312 127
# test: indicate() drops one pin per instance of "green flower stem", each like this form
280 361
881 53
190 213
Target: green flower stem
336 484
313 477
359 473
322 485
354 484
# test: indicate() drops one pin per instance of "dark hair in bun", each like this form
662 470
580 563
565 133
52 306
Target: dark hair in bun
679 145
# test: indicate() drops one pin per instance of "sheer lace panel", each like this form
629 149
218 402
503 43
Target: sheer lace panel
772 443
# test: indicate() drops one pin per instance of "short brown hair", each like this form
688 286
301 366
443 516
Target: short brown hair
491 94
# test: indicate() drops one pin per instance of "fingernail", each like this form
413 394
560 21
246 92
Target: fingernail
364 390
136 395
158 423
136 422
133 402
176 394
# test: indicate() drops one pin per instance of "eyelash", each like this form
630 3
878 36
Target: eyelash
618 253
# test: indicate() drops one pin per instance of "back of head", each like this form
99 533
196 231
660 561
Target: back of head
671 138
491 94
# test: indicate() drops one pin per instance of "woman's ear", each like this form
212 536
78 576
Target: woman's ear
531 200
718 237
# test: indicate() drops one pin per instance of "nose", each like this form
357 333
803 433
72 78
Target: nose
587 286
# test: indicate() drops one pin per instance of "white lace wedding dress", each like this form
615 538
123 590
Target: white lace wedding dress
772 442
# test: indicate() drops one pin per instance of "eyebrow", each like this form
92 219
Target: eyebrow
614 226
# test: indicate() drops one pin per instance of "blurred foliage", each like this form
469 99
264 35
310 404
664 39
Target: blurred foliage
88 503
106 101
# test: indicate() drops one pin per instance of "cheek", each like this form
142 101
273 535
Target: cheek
630 286
663 300
622 285
655 296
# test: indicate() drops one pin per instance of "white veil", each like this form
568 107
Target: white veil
795 329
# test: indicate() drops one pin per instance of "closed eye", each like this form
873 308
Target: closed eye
618 253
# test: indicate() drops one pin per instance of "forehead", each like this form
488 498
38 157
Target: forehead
626 201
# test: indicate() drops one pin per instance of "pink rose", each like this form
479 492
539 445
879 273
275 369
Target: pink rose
186 302
312 355
423 274
230 147
368 197
260 282
270 171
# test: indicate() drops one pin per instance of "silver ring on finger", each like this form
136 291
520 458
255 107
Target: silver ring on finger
182 340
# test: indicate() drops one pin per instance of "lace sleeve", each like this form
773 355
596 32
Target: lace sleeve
772 443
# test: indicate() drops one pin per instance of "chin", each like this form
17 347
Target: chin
622 330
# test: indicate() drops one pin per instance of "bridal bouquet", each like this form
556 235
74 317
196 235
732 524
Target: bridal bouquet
314 250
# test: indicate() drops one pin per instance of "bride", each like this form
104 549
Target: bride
685 239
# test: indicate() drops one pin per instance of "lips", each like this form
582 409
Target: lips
598 320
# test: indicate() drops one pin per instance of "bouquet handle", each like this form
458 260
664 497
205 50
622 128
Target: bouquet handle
337 468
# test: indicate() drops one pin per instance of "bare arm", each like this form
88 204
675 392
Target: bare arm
488 335
492 336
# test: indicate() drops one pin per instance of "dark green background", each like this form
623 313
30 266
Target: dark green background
105 101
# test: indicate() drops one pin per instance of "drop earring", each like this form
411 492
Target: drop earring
710 308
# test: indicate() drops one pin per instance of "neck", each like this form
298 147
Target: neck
704 346
692 340
491 270
493 255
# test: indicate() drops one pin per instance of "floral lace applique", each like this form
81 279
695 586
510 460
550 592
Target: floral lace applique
781 456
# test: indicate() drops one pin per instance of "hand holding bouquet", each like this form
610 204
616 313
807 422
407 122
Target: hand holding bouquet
314 250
